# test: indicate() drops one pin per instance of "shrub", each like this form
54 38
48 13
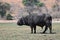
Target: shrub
9 17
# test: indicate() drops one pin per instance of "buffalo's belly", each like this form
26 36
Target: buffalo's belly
41 24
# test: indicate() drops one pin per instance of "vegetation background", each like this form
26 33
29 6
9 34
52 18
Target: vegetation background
12 10
18 8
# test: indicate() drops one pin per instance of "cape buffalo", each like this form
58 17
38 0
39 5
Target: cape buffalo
34 20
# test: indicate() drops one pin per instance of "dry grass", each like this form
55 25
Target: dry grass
10 31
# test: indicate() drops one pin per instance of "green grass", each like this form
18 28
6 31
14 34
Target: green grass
11 31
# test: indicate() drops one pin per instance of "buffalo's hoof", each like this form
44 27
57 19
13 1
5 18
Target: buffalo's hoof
43 32
51 33
31 32
34 32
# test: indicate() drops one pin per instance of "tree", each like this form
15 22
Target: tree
3 8
29 4
56 9
9 17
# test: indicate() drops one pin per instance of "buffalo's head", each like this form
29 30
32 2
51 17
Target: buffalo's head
21 22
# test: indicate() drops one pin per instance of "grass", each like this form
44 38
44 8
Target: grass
11 31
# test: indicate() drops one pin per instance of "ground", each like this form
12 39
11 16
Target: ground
11 31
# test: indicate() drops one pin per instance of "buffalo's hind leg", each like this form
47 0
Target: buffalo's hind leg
45 29
50 28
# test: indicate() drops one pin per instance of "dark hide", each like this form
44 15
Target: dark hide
34 20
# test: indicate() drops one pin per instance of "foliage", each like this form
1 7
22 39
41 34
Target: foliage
25 2
3 8
40 4
32 2
9 17
6 6
2 13
56 7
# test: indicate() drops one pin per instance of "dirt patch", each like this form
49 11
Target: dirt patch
14 21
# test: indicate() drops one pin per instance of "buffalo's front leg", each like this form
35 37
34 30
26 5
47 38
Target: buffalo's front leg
31 29
34 29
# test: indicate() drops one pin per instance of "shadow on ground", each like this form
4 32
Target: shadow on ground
43 33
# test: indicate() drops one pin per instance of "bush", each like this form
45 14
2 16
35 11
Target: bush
9 17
